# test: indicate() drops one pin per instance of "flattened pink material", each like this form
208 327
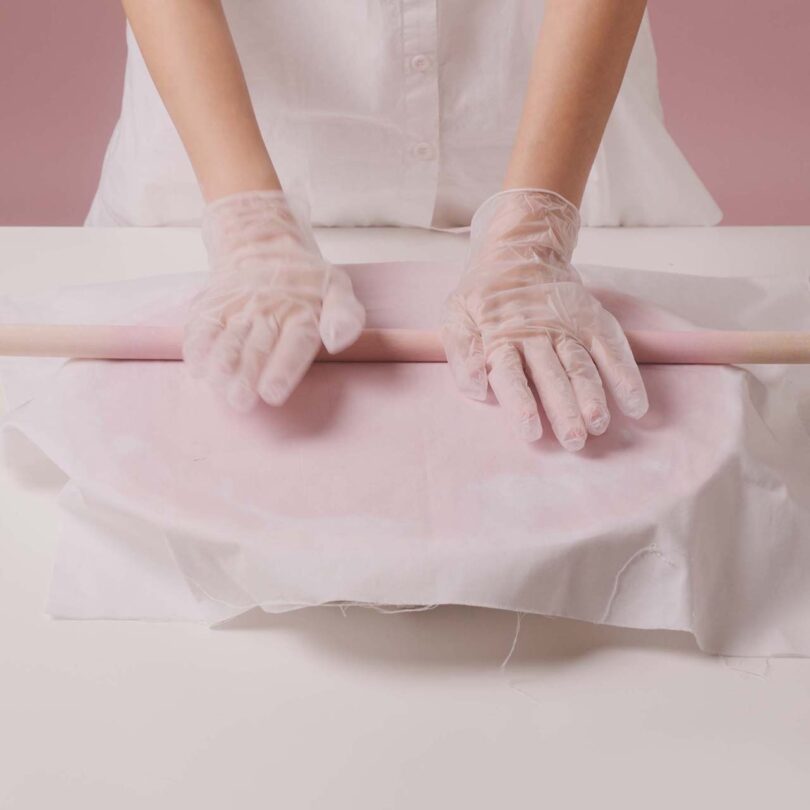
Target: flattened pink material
379 484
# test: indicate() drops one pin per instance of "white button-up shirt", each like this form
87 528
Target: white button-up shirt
395 112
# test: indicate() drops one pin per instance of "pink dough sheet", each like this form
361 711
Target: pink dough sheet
378 484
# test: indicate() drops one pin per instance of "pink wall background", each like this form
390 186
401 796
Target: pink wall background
735 81
61 69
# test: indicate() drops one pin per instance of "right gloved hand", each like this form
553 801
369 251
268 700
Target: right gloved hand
521 313
270 302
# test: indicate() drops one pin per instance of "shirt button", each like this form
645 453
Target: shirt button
420 62
424 151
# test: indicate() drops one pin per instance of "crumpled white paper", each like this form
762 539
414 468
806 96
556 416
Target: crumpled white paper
378 484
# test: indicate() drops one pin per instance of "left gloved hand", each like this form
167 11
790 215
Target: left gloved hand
521 303
271 299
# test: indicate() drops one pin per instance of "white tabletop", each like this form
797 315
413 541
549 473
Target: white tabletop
317 709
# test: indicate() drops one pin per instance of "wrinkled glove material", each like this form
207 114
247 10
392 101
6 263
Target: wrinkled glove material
271 301
521 314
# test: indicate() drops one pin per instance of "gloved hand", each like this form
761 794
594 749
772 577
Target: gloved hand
271 300
520 308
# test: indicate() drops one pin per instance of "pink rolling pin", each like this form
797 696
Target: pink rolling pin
397 345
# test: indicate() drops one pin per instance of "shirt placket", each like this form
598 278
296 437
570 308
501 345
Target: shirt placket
421 109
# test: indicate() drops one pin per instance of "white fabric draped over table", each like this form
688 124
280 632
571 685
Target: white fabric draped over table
380 485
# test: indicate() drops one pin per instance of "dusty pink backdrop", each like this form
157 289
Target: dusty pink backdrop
734 79
61 67
735 82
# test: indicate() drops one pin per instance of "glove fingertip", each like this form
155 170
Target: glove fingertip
275 394
339 334
598 420
635 403
342 319
470 376
530 430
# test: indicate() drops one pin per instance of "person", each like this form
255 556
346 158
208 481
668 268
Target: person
514 120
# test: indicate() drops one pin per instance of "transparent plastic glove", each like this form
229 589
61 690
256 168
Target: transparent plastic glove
520 312
272 299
